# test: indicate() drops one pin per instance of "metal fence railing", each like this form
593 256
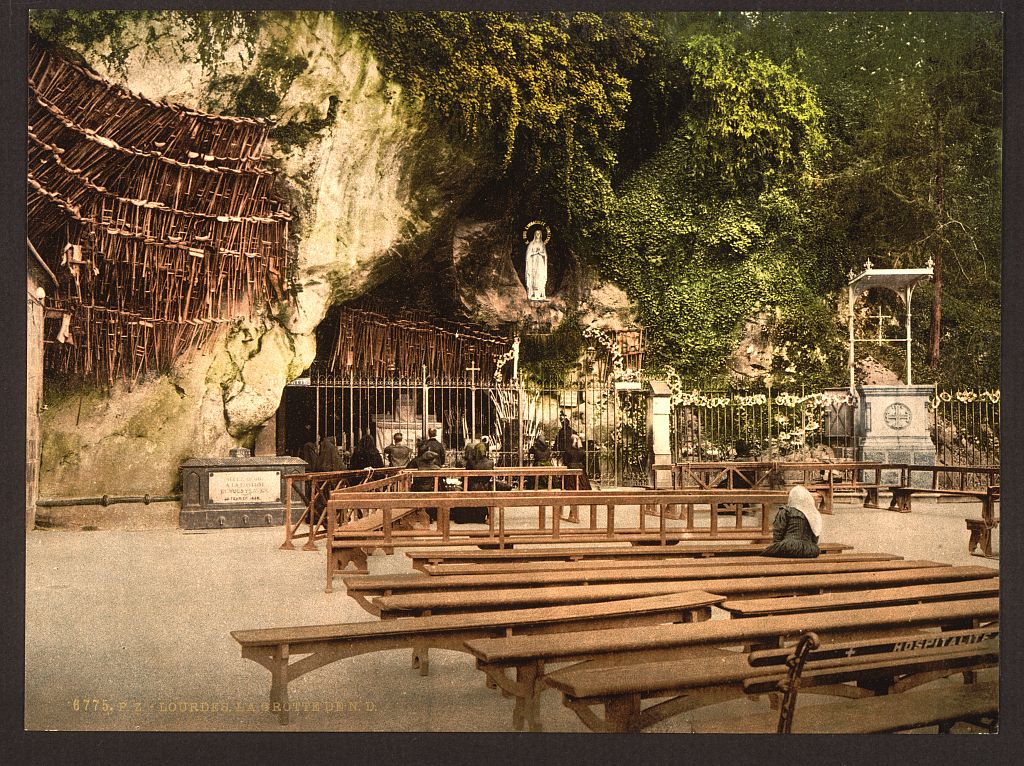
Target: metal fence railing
965 427
725 423
711 425
610 418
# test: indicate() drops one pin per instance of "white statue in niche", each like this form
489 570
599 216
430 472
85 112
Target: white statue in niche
536 267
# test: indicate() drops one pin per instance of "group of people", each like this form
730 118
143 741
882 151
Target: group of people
398 454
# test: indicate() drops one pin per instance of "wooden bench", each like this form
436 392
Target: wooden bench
879 666
276 649
461 601
913 594
351 546
365 590
981 533
531 656
518 567
817 476
876 715
901 496
674 549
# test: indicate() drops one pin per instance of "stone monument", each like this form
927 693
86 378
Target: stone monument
236 491
891 422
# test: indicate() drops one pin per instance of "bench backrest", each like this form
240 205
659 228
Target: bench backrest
762 671
348 503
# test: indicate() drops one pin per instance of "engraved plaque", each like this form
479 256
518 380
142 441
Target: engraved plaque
245 486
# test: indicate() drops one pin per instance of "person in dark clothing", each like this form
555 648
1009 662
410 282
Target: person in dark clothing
310 454
575 457
540 455
564 438
330 457
426 461
797 527
434 445
397 453
540 452
366 455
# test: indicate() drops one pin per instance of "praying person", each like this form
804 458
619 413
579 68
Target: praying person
797 527
397 453
434 445
366 455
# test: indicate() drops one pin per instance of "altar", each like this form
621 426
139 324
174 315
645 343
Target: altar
405 418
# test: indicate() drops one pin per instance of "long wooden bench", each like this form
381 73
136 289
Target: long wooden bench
913 594
366 589
461 601
532 656
351 546
277 649
675 549
881 666
519 567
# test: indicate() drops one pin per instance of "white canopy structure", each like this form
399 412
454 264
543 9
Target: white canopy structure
900 281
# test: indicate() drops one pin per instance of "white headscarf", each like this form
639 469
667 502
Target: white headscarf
801 499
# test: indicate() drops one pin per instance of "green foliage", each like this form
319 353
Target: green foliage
703 235
750 121
550 358
545 93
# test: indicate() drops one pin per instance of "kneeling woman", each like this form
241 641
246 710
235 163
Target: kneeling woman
797 527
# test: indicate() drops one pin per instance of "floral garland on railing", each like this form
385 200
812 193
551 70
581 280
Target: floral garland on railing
619 370
500 362
794 427
964 397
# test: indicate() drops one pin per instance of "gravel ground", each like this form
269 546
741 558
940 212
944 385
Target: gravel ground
129 629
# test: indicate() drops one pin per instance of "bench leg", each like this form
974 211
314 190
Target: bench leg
421 659
525 711
355 556
623 713
972 543
871 497
279 684
900 502
986 541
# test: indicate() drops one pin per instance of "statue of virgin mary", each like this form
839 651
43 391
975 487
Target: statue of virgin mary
536 267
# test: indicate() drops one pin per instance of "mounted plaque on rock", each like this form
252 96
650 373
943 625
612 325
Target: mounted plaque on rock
235 491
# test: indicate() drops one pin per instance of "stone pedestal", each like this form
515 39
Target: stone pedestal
236 491
659 410
892 426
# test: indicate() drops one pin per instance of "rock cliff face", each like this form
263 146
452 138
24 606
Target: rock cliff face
365 181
